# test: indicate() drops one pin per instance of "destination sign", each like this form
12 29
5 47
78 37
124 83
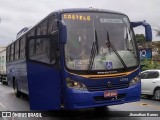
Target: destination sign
77 17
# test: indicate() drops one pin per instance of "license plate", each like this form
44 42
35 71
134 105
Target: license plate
110 93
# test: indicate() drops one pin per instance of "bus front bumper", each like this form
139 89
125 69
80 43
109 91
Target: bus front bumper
77 99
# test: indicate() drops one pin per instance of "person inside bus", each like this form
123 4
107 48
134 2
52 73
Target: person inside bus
103 49
77 47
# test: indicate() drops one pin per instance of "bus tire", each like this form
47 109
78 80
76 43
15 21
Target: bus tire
16 91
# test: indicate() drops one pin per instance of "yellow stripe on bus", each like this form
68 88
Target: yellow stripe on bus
105 75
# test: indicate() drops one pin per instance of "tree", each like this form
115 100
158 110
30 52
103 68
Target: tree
148 64
140 38
157 29
158 33
158 46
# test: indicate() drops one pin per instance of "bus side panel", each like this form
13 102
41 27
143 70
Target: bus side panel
17 73
9 75
44 86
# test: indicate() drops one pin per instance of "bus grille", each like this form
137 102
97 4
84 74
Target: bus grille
102 98
105 87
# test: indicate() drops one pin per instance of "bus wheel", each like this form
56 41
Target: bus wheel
16 92
157 94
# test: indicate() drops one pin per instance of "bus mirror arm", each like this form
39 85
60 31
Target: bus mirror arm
62 32
59 23
148 29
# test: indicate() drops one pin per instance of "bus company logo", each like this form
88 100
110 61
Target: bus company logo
6 114
20 114
109 84
77 17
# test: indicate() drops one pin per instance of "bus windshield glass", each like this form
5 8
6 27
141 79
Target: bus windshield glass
105 39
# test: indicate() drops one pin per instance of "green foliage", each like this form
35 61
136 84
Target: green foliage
158 33
148 64
140 38
158 46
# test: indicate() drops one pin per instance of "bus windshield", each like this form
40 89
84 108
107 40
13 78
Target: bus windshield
86 29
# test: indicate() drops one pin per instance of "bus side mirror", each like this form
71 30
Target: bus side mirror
62 32
148 32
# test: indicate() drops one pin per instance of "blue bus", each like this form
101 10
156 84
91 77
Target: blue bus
78 58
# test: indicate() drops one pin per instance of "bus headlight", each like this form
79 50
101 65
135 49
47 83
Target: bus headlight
134 81
75 85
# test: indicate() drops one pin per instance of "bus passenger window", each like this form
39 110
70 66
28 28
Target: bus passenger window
44 27
22 47
52 25
31 47
39 46
38 31
12 52
17 50
32 33
8 53
40 50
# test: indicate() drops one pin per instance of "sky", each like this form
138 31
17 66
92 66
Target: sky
17 14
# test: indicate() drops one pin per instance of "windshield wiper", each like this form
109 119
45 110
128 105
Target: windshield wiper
110 46
93 53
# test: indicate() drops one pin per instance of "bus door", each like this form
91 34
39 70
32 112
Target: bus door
43 73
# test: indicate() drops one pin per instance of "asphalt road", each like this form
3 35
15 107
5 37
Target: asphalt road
8 102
